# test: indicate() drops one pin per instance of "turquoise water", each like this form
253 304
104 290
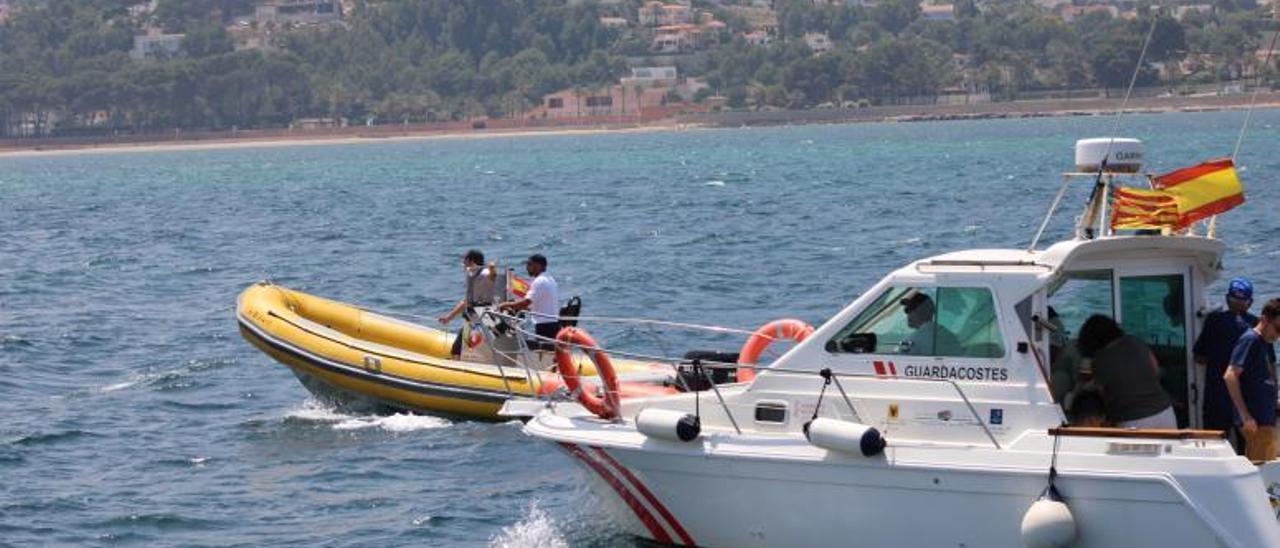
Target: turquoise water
134 414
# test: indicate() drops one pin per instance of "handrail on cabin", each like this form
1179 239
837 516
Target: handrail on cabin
674 363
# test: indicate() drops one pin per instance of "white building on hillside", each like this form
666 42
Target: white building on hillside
937 12
819 42
156 45
298 12
648 77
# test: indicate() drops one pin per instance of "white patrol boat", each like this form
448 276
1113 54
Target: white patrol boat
896 425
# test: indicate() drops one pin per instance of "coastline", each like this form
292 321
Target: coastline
680 122
302 139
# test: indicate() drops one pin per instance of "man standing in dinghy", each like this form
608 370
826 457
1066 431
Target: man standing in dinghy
542 301
480 282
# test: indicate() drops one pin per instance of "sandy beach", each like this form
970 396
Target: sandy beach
679 122
53 149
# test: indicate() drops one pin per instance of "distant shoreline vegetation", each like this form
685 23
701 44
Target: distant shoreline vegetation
103 67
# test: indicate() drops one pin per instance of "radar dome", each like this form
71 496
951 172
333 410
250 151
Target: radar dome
1123 155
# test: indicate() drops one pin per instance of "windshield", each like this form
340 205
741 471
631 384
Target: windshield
926 321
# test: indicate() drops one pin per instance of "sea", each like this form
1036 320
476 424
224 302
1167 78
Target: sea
132 413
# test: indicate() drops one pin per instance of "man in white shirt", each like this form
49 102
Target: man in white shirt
542 301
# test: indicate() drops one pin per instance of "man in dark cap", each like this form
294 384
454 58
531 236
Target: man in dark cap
928 338
1222 328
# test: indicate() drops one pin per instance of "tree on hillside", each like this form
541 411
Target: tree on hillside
895 15
898 68
1113 59
207 39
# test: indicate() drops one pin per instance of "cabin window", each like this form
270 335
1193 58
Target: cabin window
775 412
1075 297
925 321
1072 299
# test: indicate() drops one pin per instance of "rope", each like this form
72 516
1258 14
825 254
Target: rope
643 321
1098 185
1053 466
1124 105
826 381
697 404
600 319
1248 115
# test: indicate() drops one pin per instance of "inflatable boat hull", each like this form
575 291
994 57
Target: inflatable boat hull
351 356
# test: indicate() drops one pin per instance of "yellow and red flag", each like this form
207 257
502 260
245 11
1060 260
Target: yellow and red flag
1203 191
1144 209
517 286
1181 198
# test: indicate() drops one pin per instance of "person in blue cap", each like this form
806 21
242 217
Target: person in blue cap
1222 328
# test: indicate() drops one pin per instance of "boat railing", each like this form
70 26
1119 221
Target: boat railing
701 368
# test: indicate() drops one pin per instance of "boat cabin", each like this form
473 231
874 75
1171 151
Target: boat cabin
998 323
988 336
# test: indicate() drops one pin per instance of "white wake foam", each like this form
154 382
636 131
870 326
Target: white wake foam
136 379
400 422
119 386
535 529
313 411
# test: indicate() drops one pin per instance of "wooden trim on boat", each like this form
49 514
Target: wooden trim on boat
1148 433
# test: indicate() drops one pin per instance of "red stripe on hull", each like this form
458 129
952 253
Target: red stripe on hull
650 523
648 495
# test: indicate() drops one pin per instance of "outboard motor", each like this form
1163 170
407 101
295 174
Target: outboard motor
724 372
572 309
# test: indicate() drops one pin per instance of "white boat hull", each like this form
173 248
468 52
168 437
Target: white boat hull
706 497
971 430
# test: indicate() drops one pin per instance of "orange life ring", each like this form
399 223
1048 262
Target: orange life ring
605 408
787 328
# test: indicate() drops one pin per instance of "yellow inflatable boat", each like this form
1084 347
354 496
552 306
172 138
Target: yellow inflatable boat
345 354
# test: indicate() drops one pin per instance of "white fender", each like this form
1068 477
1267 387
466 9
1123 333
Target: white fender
666 424
844 436
1048 524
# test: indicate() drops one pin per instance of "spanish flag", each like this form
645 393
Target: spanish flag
1181 198
517 286
1203 191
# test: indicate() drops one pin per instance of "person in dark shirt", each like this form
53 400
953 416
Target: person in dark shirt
1126 375
1213 350
1251 382
480 280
